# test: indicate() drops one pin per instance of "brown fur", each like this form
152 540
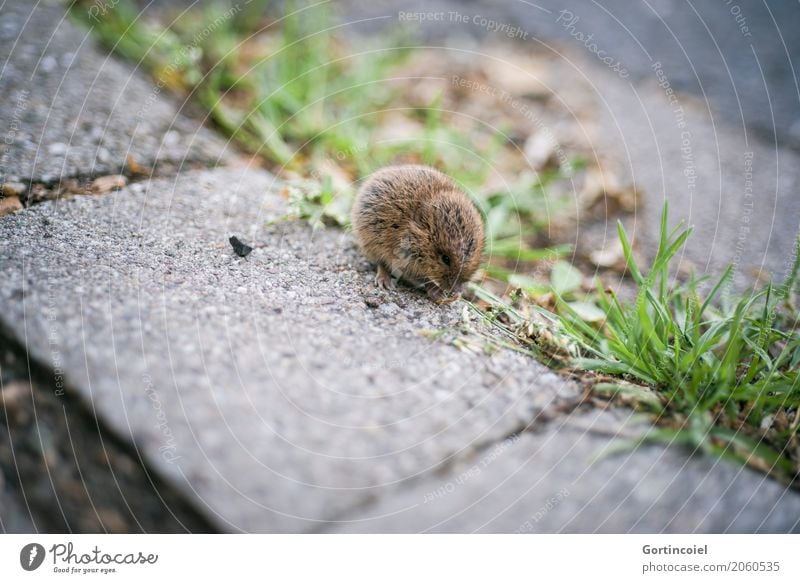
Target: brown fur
417 224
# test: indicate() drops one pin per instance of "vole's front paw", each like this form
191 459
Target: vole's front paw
384 279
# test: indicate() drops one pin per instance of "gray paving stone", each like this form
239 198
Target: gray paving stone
266 388
566 479
70 109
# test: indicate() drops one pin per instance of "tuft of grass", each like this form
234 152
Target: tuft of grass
727 375
317 203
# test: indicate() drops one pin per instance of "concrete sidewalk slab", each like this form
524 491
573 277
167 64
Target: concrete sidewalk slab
70 109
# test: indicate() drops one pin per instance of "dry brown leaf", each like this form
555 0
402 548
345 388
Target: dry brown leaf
602 187
13 189
133 166
9 204
104 184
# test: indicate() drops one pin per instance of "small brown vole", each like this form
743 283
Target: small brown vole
418 226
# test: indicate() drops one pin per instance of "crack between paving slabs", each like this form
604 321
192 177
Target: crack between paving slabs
539 421
91 183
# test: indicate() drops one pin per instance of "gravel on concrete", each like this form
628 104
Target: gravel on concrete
70 109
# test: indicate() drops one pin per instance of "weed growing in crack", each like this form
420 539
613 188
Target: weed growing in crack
724 377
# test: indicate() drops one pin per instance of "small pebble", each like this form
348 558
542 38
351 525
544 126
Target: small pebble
373 301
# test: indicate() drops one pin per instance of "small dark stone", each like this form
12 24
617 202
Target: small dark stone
240 248
373 301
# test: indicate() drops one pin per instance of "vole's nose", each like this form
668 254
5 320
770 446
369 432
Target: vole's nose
456 288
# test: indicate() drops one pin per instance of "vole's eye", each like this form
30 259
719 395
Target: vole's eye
445 258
